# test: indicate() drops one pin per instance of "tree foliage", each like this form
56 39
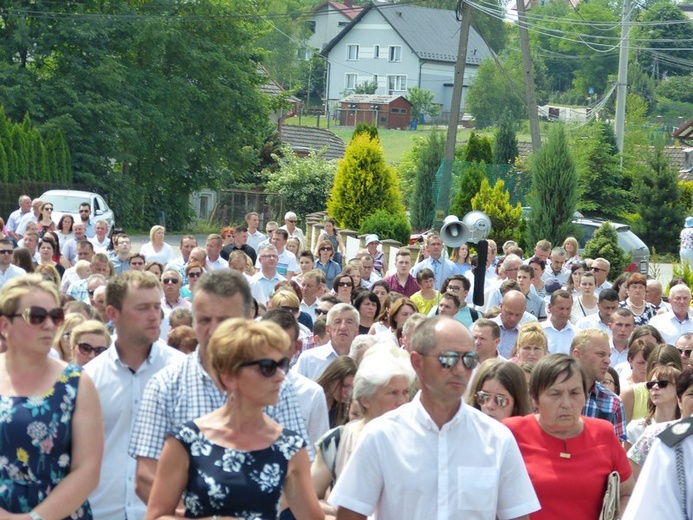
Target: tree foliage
554 195
364 183
659 204
421 103
604 244
495 202
470 184
304 181
423 203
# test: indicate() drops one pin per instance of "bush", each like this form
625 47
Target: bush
386 225
604 244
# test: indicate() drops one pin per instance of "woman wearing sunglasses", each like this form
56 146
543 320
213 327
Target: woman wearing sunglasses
568 457
52 429
499 389
236 461
88 340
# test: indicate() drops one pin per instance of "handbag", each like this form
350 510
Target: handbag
612 497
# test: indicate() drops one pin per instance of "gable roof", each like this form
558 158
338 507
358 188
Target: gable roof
310 138
349 11
432 34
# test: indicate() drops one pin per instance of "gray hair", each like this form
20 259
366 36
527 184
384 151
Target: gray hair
377 369
339 309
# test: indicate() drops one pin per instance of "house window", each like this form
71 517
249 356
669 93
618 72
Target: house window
350 81
395 53
352 52
396 84
376 51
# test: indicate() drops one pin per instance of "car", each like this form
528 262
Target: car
66 202
627 240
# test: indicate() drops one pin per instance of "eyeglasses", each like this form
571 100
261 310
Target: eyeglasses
450 358
87 350
290 309
660 384
5 251
484 397
345 284
194 274
268 367
170 281
320 312
37 315
597 269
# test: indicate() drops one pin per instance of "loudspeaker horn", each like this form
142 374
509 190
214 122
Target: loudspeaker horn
478 225
453 232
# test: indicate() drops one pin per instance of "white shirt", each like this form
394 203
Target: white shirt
404 466
670 327
120 392
559 340
657 493
592 322
12 271
311 399
312 363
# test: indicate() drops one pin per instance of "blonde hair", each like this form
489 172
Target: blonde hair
237 341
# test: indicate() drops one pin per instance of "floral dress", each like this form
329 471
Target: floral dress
36 444
229 482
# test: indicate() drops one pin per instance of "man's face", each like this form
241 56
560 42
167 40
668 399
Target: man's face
123 247
524 280
279 242
403 265
306 264
484 342
79 230
100 268
560 312
557 262
253 221
446 307
512 312
268 260
139 321
85 213
600 271
366 268
310 288
241 238
209 310
653 294
187 245
595 359
172 284
621 328
680 302
5 255
435 247
606 309
343 330
25 205
213 249
685 347
100 229
441 384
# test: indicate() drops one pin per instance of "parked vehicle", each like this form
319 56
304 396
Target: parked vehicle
68 201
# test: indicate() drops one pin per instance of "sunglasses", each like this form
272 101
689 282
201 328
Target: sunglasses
344 284
87 350
194 274
484 397
320 312
450 358
171 281
37 315
660 384
268 367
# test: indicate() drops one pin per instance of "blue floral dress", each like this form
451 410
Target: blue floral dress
36 444
228 482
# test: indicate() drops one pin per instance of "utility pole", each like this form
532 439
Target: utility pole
529 77
621 90
443 203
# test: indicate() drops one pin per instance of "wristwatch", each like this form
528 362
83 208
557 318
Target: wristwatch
34 515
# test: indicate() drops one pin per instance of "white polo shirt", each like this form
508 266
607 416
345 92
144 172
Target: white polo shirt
404 466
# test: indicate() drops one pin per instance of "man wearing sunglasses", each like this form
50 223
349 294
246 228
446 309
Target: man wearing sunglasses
436 457
7 269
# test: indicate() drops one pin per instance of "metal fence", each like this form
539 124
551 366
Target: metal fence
233 205
10 193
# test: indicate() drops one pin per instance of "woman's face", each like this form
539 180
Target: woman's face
381 293
577 274
367 309
587 286
639 366
388 397
530 353
560 405
492 393
686 402
636 293
662 396
403 315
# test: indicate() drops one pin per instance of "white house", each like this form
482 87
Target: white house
400 46
328 19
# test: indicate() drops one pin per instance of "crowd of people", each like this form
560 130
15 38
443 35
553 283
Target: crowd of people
274 375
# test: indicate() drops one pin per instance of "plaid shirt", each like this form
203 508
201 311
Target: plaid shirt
604 404
184 392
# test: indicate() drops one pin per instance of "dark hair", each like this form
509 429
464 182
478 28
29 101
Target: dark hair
549 368
367 295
